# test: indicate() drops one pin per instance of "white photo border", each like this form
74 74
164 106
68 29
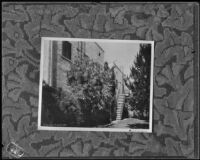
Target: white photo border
149 130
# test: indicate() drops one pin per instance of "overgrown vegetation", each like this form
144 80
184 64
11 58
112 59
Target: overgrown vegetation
90 100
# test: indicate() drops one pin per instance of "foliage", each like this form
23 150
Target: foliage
90 99
53 112
139 81
92 86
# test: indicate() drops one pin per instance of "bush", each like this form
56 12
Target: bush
96 88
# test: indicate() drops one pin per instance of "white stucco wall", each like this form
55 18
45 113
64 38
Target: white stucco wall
47 61
93 50
59 66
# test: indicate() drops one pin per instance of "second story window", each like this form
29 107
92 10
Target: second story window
66 50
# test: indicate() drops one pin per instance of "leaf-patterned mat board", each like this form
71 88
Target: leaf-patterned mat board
170 26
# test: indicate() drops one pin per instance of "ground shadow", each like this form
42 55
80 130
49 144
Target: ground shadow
138 126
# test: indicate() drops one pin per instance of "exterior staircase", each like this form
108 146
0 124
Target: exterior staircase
122 92
120 103
120 106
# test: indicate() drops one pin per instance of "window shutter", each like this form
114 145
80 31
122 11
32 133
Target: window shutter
66 50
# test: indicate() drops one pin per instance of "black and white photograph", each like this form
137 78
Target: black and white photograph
96 85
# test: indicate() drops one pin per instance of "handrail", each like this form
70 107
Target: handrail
118 95
119 69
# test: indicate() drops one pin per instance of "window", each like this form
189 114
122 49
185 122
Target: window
66 50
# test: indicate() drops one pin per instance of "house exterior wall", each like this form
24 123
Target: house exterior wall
78 49
121 87
63 66
95 52
56 66
46 61
119 78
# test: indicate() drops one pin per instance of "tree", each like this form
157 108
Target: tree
93 86
139 81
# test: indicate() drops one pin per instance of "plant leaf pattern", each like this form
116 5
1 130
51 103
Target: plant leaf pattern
169 25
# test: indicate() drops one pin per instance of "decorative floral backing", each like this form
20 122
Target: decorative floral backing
170 25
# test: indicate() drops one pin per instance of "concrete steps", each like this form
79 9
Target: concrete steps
120 105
